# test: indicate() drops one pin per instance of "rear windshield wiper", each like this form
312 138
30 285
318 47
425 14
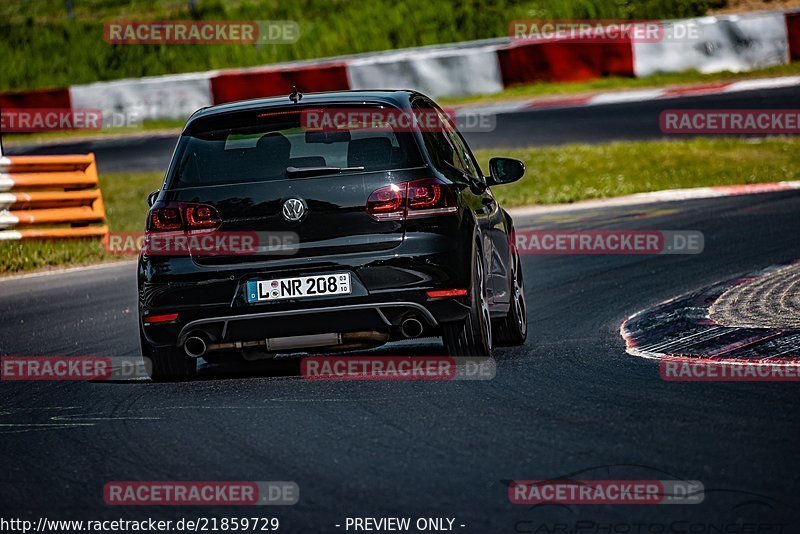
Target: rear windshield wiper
294 172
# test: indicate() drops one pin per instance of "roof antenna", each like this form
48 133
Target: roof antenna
296 95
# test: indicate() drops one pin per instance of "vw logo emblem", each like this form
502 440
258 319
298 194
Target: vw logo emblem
293 209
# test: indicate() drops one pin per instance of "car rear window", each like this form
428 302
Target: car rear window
260 146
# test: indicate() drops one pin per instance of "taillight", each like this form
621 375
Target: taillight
183 216
387 202
429 196
200 216
165 219
417 198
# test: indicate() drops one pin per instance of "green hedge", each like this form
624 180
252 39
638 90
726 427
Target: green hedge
41 48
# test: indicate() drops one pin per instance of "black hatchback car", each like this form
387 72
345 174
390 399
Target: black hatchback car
355 236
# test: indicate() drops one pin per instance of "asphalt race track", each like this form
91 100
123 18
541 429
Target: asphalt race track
594 124
570 401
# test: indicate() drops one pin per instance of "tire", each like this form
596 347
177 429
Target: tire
512 330
473 335
168 363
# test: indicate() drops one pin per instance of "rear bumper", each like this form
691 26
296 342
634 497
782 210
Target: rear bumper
259 323
386 287
379 315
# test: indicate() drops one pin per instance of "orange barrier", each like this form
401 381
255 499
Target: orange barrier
57 195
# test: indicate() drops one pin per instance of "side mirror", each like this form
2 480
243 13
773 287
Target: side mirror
151 198
505 170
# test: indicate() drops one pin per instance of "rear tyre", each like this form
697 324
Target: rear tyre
473 335
168 363
512 329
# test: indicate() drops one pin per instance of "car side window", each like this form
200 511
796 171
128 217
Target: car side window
463 152
443 153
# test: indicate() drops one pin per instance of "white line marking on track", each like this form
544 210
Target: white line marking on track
652 197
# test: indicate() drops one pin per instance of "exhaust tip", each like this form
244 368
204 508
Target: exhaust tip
195 347
411 328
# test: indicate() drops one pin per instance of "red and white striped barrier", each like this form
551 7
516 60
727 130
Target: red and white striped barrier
40 98
437 73
555 61
793 35
155 97
731 42
243 84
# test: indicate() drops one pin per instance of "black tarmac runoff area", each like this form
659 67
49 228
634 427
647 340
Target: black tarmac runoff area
570 403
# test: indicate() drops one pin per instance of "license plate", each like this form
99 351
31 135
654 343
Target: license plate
300 287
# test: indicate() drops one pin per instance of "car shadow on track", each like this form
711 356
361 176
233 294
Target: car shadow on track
289 366
284 366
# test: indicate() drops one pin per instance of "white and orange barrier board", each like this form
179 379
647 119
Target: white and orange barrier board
50 197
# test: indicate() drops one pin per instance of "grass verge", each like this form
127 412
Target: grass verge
579 172
555 175
42 47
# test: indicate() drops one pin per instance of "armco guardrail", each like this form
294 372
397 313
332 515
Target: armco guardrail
50 197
